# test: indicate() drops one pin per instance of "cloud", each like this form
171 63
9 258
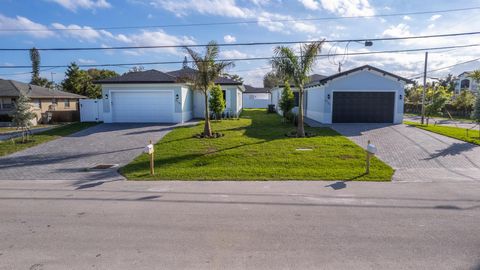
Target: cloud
19 22
341 7
232 54
435 17
152 38
82 33
225 8
73 5
229 39
86 61
407 18
273 22
400 30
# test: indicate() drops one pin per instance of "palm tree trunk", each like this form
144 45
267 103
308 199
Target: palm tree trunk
300 127
207 131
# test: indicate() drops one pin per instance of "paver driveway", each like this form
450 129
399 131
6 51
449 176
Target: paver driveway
418 155
68 158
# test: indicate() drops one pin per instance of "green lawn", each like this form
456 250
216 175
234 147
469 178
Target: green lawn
256 148
455 118
6 130
10 146
454 132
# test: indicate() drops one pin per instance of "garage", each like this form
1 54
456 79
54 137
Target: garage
363 107
142 107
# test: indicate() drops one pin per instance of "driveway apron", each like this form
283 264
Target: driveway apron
68 158
416 154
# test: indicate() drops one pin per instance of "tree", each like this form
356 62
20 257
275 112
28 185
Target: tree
287 101
23 115
476 113
296 69
234 77
439 98
464 101
216 101
271 79
208 70
36 79
81 82
448 82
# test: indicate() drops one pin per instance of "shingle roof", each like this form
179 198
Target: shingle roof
344 73
155 76
252 89
189 73
10 88
148 76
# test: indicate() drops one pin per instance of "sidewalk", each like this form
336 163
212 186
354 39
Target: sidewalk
442 122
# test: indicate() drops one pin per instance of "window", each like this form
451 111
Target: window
54 101
36 103
66 103
465 84
7 103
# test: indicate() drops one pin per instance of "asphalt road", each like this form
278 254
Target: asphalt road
242 225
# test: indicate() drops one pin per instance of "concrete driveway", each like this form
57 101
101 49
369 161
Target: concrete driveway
68 158
418 155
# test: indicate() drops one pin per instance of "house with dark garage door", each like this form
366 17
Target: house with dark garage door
364 94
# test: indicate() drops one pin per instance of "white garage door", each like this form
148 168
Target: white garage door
142 107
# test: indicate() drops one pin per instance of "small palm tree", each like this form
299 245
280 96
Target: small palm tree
208 70
296 69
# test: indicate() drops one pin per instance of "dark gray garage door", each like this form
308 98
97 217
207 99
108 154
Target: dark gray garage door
363 107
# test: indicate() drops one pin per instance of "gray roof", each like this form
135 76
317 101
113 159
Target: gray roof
252 89
148 76
155 76
11 88
344 73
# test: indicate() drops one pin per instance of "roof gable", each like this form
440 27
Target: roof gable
11 88
148 76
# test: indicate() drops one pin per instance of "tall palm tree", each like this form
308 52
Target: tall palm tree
296 69
208 70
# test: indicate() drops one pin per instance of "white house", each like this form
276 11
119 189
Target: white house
256 97
464 82
155 96
361 95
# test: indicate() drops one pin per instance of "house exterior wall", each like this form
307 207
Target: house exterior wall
255 100
319 105
473 86
180 96
232 103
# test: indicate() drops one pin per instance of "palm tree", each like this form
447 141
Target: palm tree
296 69
208 70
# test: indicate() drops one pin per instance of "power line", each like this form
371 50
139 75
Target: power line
245 44
250 58
416 76
240 22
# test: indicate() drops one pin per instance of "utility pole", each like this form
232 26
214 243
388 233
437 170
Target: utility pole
424 87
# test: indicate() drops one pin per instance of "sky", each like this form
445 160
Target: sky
82 16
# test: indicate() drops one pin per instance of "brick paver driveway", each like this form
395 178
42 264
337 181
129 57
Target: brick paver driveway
418 155
68 158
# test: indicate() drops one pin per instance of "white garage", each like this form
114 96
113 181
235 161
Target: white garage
142 106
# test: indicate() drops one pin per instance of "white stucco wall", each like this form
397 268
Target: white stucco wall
256 100
180 103
231 93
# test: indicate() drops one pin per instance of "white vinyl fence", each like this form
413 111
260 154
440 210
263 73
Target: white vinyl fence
91 110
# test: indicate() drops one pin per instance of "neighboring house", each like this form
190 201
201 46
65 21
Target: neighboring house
159 97
42 99
361 95
464 82
256 97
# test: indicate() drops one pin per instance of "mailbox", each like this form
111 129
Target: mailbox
148 149
371 149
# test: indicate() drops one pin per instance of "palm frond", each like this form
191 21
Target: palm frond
308 58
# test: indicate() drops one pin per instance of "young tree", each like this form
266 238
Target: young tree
208 70
476 113
216 101
36 79
439 98
296 69
23 115
287 100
